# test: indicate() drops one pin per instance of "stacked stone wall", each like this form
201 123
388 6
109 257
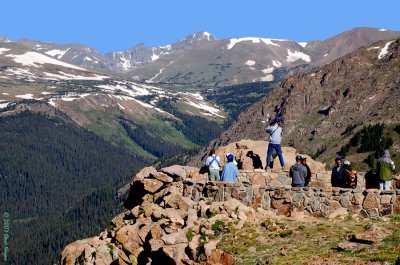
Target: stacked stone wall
272 191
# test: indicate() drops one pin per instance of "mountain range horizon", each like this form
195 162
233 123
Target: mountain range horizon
4 38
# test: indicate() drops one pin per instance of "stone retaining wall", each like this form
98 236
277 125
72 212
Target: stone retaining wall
278 178
272 191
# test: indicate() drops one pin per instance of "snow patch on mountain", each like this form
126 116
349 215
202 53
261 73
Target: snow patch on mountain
303 44
130 90
296 55
126 64
3 50
383 30
154 57
34 58
267 78
276 63
205 107
58 53
268 70
207 35
233 42
20 72
384 50
26 96
250 62
4 105
66 76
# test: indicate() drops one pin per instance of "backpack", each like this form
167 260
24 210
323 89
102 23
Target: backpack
350 178
214 159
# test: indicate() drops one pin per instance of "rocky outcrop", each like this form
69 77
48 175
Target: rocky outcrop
176 216
162 226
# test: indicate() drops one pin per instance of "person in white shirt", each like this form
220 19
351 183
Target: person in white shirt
213 163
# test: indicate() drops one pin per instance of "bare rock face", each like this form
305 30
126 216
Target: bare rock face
252 154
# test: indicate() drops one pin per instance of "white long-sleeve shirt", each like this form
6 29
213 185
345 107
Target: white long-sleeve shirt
214 164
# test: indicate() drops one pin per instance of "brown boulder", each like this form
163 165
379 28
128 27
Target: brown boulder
176 252
178 172
219 257
257 179
370 201
152 185
396 206
144 173
162 177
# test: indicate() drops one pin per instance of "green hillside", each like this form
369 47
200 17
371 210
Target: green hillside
57 183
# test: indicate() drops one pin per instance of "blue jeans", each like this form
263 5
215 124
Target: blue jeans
299 185
271 148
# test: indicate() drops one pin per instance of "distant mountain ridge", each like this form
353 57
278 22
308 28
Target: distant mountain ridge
202 59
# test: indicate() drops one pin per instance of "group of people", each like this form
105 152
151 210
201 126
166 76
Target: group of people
229 172
342 174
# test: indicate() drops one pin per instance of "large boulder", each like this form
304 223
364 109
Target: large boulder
252 154
178 172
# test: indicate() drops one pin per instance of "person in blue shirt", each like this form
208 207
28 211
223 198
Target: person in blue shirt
230 171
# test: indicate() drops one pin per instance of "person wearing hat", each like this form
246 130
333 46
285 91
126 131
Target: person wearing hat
298 173
275 138
337 173
385 169
304 163
230 171
234 159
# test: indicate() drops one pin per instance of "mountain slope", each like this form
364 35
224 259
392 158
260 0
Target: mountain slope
111 107
48 166
319 108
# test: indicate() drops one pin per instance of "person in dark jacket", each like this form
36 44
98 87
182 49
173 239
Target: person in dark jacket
298 173
337 173
304 162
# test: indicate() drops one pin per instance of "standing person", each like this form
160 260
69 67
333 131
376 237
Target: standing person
385 169
337 171
275 138
304 163
213 163
298 173
230 171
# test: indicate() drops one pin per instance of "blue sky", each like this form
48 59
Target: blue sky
119 24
